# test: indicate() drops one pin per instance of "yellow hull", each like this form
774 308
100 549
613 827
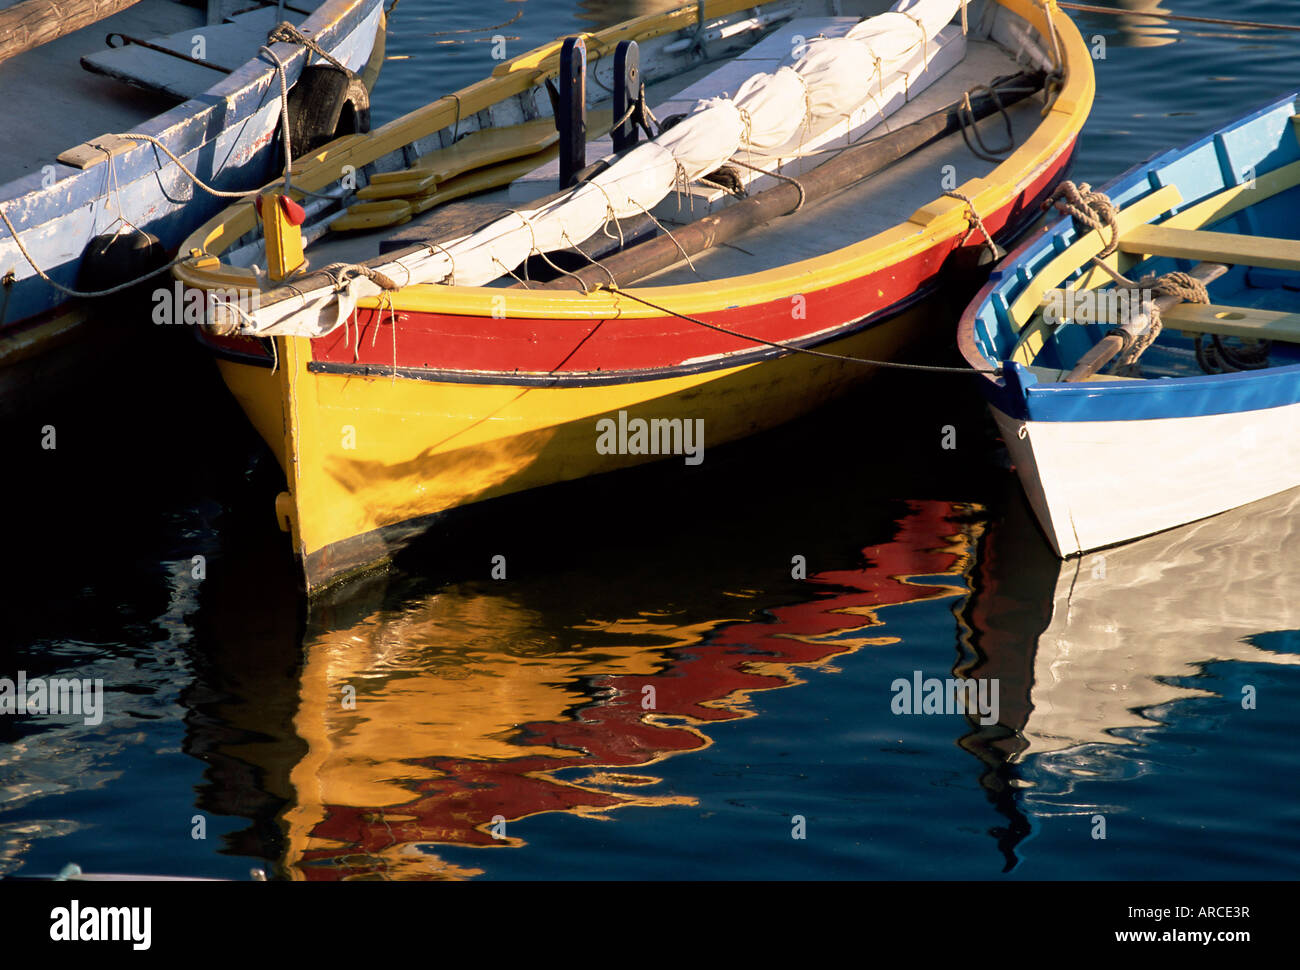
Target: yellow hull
371 461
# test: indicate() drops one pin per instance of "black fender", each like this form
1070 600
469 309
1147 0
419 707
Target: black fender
111 259
325 104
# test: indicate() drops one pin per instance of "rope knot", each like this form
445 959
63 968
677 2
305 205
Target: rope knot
286 33
1092 209
976 224
1181 285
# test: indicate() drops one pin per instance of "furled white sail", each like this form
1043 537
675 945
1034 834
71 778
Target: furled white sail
832 78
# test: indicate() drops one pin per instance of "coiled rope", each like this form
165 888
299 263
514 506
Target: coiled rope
1182 285
1092 209
1096 211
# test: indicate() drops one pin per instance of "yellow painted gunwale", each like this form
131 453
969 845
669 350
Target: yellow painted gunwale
1025 311
937 221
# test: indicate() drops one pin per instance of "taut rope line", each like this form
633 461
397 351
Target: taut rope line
795 348
1217 21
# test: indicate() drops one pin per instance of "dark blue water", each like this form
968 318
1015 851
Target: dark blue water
1120 686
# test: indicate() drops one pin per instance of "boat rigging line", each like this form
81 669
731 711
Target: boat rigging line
283 32
795 348
1218 21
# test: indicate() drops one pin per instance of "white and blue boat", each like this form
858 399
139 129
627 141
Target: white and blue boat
1201 413
190 77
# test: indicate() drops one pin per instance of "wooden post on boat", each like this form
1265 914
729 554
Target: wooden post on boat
848 166
627 92
1110 345
31 23
281 217
571 117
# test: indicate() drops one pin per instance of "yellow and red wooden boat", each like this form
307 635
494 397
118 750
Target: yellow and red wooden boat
396 388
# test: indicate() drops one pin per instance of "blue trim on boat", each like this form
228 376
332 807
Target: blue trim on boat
1182 397
1260 142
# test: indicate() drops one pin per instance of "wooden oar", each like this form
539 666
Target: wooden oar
848 166
1110 345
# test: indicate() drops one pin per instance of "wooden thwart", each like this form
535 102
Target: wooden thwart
1233 321
1251 323
1217 247
1087 246
478 149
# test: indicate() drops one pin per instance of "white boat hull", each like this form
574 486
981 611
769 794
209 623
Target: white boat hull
1097 483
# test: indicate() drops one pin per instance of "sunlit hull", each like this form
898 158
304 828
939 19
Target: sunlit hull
433 397
1178 470
377 460
1107 458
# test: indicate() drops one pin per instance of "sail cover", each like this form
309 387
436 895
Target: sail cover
834 77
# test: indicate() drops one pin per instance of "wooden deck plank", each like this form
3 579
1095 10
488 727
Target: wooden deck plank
1213 247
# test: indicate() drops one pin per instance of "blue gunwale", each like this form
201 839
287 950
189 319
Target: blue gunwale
985 335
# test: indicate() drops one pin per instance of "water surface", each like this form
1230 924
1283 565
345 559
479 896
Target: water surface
651 693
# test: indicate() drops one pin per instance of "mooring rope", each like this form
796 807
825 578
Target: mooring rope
795 348
286 33
975 224
82 294
1184 286
473 30
1157 15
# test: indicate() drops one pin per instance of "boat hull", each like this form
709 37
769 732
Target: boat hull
427 399
377 461
227 137
1094 484
1112 459
377 454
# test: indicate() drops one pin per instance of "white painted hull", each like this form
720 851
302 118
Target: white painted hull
1097 483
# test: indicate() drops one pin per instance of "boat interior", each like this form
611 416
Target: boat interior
1223 209
101 78
403 204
